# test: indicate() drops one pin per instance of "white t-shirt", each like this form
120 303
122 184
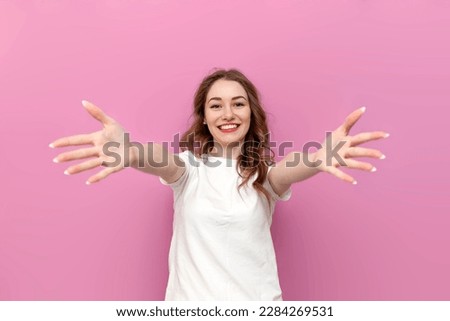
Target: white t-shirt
221 247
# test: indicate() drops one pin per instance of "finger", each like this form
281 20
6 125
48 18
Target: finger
363 152
341 175
100 175
92 163
365 137
97 113
351 163
82 139
77 154
352 119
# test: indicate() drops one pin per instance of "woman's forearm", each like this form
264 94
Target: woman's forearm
297 166
155 159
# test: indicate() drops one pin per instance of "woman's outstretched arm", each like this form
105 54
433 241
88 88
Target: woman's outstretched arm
337 150
110 148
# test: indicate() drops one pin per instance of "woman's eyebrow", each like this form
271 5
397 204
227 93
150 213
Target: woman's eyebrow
218 98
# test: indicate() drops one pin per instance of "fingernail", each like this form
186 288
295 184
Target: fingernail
84 103
66 172
51 145
354 182
383 157
55 160
88 183
363 109
387 135
374 169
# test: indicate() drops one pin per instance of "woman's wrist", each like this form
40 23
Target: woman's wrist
133 152
317 161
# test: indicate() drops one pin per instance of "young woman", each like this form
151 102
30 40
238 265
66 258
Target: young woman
225 185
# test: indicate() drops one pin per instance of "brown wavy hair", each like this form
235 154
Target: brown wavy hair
256 154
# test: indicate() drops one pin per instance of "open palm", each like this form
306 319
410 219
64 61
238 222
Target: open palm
103 143
345 148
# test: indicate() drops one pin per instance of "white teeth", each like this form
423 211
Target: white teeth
228 126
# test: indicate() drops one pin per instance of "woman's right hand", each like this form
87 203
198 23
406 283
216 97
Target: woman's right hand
110 139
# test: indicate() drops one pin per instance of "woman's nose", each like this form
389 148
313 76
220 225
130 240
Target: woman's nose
228 112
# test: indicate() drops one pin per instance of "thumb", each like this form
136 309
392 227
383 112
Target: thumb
96 112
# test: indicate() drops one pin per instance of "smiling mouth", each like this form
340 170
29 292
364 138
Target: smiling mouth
228 127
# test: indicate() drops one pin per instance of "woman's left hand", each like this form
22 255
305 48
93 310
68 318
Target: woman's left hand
339 148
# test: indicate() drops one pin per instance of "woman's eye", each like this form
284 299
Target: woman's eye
237 104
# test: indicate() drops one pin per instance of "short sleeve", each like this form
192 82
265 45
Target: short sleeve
285 197
182 180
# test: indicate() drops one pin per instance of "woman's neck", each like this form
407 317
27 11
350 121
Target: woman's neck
232 151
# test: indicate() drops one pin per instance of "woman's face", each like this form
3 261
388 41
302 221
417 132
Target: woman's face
227 103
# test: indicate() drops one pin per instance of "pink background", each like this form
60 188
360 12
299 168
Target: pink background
314 62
